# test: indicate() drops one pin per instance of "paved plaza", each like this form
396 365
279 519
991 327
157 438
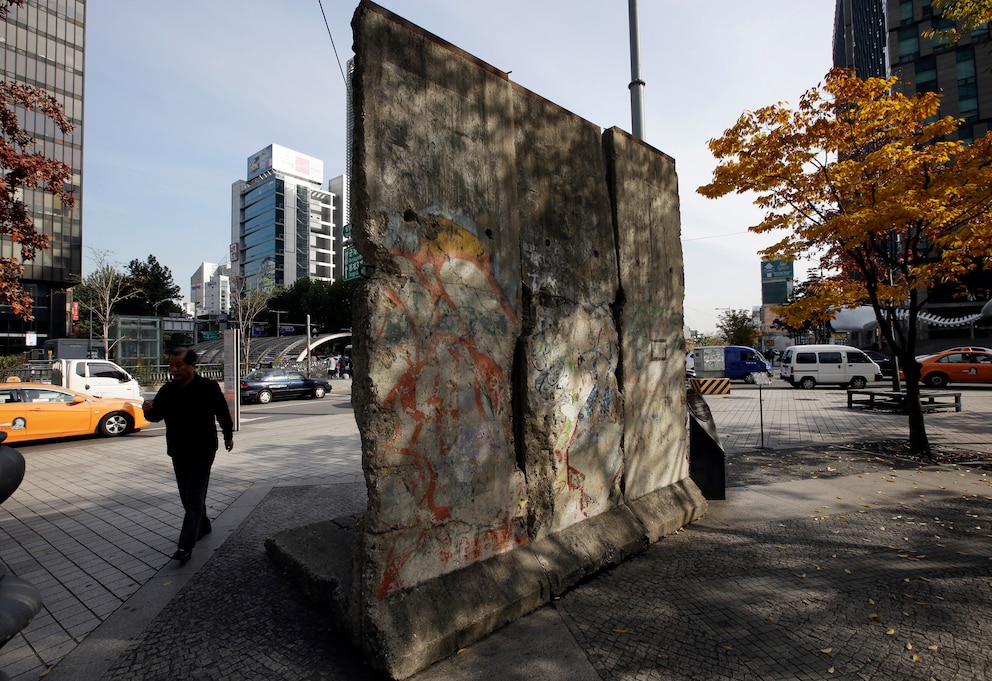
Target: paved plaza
825 561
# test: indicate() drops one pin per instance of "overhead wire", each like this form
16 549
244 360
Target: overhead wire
713 236
333 46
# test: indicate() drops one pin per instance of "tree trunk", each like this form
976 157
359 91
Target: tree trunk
919 444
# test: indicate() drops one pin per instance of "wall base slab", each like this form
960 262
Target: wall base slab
410 630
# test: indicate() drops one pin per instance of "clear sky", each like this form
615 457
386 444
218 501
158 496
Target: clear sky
178 95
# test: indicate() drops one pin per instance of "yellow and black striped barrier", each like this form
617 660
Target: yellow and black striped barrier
711 386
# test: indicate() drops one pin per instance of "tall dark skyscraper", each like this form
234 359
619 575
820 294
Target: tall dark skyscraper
43 45
872 34
859 37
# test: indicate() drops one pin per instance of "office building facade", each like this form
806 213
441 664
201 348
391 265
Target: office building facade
338 187
43 46
282 222
860 37
960 71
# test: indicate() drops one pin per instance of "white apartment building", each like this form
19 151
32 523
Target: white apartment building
210 289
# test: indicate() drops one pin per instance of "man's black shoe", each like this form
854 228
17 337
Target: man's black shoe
182 555
204 531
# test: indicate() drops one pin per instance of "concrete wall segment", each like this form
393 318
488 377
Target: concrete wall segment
439 316
570 405
517 345
644 187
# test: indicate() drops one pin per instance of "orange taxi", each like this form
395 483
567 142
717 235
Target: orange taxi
964 365
38 411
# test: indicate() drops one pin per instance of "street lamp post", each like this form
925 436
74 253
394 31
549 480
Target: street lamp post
636 86
278 314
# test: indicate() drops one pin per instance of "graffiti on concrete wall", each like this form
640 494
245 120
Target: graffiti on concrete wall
578 391
449 332
654 320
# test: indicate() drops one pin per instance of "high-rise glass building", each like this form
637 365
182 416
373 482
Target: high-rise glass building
960 71
43 45
859 37
282 222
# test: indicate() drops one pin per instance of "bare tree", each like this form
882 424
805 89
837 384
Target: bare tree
100 291
247 303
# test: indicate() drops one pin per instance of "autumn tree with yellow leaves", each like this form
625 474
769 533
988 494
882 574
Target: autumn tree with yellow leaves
968 15
865 181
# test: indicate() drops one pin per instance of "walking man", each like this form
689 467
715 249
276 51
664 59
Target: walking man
190 404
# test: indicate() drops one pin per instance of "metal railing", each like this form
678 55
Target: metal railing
149 375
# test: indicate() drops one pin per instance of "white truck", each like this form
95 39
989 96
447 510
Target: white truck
97 377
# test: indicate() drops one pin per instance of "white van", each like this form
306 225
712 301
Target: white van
806 366
97 377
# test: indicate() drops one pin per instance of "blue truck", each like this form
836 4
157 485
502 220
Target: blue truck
735 362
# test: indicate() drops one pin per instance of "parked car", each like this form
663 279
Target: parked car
806 366
265 385
39 411
954 366
884 362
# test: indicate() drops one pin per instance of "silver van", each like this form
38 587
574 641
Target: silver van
806 366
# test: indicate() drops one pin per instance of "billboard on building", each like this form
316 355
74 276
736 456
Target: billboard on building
776 281
777 269
287 161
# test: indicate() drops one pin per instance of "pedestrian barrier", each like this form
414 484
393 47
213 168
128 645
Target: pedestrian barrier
711 386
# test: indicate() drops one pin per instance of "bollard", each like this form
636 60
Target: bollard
19 599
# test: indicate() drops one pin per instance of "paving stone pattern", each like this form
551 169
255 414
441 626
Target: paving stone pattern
878 594
240 618
93 526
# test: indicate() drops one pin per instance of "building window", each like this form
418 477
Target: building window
942 43
967 84
909 44
905 12
926 75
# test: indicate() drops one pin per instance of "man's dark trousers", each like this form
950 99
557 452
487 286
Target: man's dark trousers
192 477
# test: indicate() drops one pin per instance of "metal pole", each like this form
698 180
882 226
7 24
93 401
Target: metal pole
309 346
761 413
636 86
279 314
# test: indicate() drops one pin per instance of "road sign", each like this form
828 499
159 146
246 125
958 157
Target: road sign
353 262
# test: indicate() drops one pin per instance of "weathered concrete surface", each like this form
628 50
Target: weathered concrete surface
517 349
571 411
439 319
646 208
